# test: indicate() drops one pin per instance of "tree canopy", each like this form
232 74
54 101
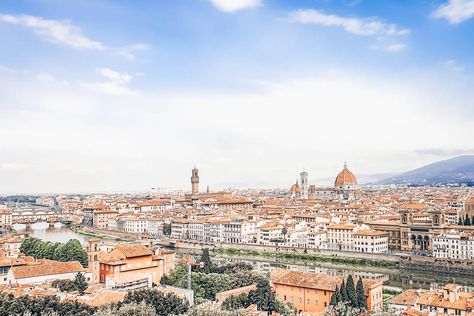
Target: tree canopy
80 283
47 305
39 249
164 304
349 295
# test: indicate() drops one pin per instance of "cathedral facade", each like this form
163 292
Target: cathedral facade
345 187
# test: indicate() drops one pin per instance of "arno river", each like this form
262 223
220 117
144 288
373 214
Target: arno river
391 277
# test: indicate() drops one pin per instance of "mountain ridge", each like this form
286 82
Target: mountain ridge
459 169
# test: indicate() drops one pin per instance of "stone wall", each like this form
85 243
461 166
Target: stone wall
434 267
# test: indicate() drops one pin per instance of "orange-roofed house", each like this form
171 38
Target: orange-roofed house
451 300
129 261
101 217
45 270
312 292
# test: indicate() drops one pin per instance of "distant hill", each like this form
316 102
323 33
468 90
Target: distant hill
455 170
361 179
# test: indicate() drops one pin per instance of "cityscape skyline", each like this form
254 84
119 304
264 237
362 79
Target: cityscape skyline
122 96
237 157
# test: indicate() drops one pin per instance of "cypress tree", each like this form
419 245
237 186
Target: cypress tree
344 297
460 221
360 294
206 259
80 283
351 291
468 221
334 297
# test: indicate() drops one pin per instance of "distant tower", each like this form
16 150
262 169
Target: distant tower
304 184
93 258
195 181
312 192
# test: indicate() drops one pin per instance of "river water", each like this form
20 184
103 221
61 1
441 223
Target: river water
58 233
391 277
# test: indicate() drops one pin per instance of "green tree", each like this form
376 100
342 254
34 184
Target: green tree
460 223
167 229
43 249
136 309
284 231
52 251
360 293
351 292
64 285
46 305
335 297
342 290
236 302
342 309
467 221
73 251
200 310
263 296
164 304
206 260
80 283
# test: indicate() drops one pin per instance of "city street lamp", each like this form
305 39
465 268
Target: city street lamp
190 265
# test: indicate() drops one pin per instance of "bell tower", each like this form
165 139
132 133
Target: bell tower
304 185
93 258
195 181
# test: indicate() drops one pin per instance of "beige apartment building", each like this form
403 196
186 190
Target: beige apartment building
370 241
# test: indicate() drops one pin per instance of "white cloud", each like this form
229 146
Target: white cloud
117 83
235 5
455 11
151 139
129 52
394 48
115 75
65 33
59 32
358 26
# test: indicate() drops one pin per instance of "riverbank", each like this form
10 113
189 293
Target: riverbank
435 266
96 234
273 261
308 257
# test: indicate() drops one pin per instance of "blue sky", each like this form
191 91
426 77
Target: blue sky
134 93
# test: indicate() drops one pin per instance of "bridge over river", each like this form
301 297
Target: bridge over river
35 214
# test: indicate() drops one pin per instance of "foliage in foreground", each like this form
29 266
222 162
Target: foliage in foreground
39 249
350 295
164 304
128 309
146 302
47 305
263 296
78 284
202 310
207 285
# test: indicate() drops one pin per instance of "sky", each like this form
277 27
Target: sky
129 95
